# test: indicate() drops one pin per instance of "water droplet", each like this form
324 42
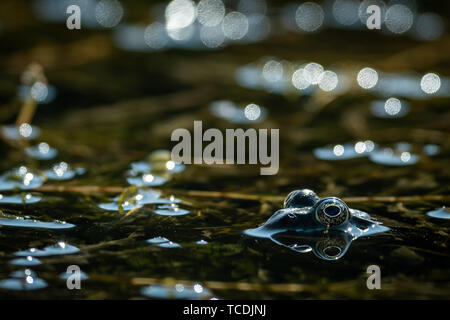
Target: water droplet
23 273
313 72
61 171
430 83
431 149
24 131
210 12
39 91
328 81
27 261
171 210
20 199
176 292
338 150
42 151
252 112
309 16
137 199
146 180
60 248
367 78
389 157
180 14
42 93
259 28
115 206
345 12
169 245
179 287
360 147
235 25
140 167
182 35
22 178
344 152
23 283
299 80
403 146
212 37
272 71
198 288
109 13
391 108
25 222
157 240
370 145
228 110
399 18
429 26
442 213
155 36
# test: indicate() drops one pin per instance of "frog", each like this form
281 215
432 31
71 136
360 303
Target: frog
327 226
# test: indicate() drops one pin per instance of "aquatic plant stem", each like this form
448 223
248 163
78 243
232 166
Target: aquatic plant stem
32 75
127 214
27 112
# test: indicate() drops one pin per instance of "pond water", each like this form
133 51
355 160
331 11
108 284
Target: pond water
138 230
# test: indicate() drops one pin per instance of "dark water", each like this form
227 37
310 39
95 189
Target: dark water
115 107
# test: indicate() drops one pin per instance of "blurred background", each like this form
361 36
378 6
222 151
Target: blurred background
135 71
362 113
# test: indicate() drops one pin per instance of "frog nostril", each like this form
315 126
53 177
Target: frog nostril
291 216
332 210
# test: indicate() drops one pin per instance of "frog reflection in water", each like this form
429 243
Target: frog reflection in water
325 226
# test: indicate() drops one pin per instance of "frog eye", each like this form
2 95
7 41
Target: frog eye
300 199
331 212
